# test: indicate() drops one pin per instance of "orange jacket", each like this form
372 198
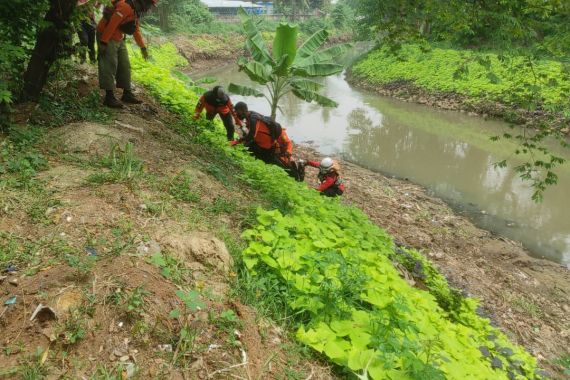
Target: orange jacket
212 104
108 29
260 135
284 147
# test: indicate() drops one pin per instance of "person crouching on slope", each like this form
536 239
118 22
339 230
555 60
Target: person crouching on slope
331 183
114 66
267 140
217 102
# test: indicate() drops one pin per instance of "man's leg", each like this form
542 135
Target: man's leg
107 66
210 115
91 42
229 124
83 41
124 75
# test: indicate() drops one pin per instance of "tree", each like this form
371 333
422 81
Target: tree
287 68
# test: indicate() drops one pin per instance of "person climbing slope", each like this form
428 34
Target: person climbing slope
217 102
267 140
123 17
331 183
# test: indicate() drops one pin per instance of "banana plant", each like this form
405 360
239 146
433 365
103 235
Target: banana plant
287 68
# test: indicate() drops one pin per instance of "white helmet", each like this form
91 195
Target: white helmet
327 163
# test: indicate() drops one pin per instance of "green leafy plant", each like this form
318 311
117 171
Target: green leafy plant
287 68
331 269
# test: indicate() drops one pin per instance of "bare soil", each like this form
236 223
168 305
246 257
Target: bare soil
527 298
89 255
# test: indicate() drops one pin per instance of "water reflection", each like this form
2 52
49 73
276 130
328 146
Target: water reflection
447 152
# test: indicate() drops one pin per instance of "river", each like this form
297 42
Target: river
447 152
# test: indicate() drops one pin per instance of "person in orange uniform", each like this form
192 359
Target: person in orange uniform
217 102
331 183
114 66
266 139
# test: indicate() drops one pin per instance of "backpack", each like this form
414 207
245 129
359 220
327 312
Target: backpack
128 27
274 127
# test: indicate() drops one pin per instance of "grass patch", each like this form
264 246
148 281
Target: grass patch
484 76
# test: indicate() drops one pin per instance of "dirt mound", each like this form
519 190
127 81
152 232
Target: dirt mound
91 138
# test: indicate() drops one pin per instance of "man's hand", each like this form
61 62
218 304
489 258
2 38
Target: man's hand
196 116
102 49
234 142
144 52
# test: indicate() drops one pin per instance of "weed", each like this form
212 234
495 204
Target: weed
170 267
123 166
217 173
74 328
564 362
82 263
33 369
37 211
527 306
135 301
221 205
104 373
180 188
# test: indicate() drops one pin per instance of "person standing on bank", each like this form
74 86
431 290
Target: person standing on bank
114 66
217 102
86 32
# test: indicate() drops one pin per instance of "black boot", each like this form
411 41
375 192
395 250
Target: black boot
129 97
111 101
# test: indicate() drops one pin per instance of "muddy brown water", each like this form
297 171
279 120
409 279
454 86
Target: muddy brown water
447 152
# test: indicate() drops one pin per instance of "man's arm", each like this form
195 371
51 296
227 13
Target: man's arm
199 107
328 182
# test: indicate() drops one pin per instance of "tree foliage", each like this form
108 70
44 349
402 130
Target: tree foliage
519 32
287 68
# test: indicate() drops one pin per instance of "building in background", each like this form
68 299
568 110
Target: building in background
230 8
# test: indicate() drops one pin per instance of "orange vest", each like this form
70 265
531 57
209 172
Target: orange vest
108 29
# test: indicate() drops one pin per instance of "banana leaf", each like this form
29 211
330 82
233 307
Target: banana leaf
257 72
318 70
313 43
305 84
285 43
310 96
324 56
244 90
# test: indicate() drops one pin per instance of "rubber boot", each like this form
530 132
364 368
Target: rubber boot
129 97
111 101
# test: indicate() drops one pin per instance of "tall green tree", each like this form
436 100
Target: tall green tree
287 69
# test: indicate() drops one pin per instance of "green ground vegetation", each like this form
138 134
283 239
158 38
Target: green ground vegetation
482 76
328 271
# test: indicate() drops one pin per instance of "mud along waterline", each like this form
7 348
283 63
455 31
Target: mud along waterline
447 152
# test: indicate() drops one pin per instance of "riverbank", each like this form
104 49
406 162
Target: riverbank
457 80
484 266
121 231
526 297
